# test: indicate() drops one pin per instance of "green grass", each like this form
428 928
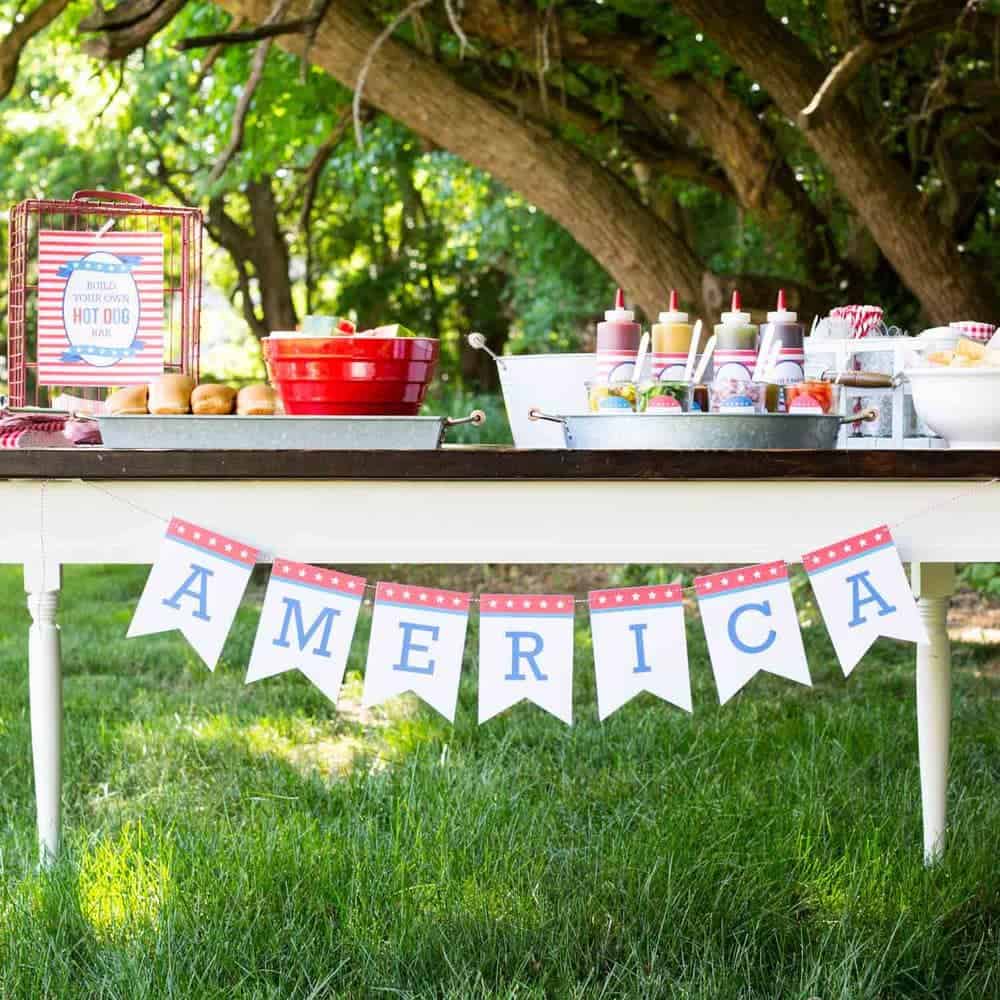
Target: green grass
232 841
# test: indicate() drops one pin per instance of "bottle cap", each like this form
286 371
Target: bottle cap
673 313
619 314
736 314
781 313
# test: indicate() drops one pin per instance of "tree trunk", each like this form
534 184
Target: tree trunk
600 211
261 253
917 245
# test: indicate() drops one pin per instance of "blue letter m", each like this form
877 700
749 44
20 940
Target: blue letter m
324 621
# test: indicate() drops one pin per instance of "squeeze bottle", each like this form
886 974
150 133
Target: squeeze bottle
617 343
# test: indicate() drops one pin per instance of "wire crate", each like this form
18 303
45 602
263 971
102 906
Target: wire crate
99 212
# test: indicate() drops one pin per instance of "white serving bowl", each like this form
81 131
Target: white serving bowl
960 404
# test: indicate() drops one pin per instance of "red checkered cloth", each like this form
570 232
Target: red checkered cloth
975 331
40 430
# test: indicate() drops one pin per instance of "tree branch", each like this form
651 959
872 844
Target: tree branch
127 26
19 35
246 99
943 17
294 26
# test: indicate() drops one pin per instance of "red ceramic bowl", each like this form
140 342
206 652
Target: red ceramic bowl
351 375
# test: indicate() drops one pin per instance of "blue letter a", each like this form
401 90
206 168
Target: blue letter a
199 576
858 602
324 621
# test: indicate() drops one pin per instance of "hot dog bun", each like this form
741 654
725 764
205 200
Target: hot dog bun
171 394
212 399
256 400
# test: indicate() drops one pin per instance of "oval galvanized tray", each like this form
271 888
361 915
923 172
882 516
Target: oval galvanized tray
698 431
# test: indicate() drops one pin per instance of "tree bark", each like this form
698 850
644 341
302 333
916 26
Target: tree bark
600 211
760 178
13 43
917 245
265 251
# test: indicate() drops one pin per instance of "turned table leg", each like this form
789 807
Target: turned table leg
933 584
42 583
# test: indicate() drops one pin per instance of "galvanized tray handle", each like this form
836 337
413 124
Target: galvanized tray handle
477 418
863 417
478 343
536 414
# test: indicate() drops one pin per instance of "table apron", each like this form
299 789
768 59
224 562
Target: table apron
518 521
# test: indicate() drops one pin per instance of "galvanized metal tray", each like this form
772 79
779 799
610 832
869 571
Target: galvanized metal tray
224 433
699 431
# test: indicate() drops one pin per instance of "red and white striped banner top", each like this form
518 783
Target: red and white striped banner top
520 605
212 542
848 548
745 578
427 598
304 575
635 598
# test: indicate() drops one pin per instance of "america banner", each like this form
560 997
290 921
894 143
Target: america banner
639 645
751 625
862 593
307 624
417 644
195 585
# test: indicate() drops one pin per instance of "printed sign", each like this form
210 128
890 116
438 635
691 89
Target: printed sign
751 625
195 585
862 592
100 307
526 652
417 642
639 645
307 623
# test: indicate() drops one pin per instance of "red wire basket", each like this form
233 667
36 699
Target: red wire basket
98 212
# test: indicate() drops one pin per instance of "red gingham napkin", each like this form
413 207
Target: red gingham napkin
975 331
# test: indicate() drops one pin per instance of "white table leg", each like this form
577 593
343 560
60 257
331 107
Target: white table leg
42 584
933 584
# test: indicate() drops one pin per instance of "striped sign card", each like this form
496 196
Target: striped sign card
100 307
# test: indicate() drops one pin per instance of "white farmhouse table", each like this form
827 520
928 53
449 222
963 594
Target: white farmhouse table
485 505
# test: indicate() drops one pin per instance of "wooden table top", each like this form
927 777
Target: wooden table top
495 463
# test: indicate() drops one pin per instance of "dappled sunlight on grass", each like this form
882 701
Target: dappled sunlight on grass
330 749
122 889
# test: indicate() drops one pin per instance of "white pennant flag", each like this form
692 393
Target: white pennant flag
639 645
307 624
417 642
526 651
751 625
862 592
195 585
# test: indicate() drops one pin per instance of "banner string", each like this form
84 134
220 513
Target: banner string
370 588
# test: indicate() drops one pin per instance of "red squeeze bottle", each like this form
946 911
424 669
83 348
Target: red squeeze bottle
617 342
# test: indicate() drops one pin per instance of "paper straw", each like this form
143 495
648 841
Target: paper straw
692 351
762 353
705 358
640 357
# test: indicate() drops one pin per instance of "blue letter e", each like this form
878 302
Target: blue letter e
409 646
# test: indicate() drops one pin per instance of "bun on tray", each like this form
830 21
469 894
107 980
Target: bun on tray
171 394
212 399
130 400
256 401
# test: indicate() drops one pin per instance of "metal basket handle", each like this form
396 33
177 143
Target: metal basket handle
120 196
